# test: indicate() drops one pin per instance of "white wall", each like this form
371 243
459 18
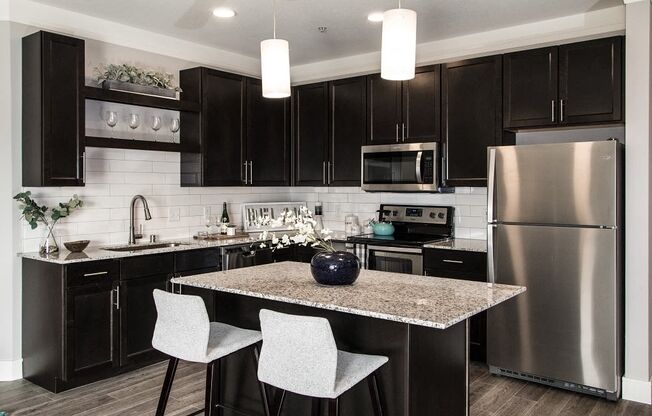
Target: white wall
636 383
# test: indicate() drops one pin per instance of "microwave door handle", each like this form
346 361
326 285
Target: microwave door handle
418 168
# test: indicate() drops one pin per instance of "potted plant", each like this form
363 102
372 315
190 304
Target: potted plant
131 78
328 266
33 214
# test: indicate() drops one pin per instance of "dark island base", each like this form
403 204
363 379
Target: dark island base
427 372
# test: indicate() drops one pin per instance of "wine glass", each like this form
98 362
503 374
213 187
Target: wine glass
111 118
174 127
134 122
156 125
208 220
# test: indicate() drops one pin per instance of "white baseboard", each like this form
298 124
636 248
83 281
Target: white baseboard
11 370
637 390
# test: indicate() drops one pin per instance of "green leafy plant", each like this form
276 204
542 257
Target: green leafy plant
34 213
134 75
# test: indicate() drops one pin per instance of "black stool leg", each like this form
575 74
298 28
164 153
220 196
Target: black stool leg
316 407
261 385
376 395
212 389
334 407
167 386
280 401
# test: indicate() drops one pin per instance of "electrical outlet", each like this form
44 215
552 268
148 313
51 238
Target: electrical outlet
174 215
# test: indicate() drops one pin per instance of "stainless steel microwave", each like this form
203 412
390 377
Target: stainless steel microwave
410 167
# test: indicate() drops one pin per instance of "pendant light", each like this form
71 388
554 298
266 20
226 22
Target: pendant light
275 65
399 44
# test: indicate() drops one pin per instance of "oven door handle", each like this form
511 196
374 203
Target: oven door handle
418 167
396 249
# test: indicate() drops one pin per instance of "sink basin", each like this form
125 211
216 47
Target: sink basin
144 247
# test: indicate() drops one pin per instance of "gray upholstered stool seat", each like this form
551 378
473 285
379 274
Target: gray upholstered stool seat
299 355
183 331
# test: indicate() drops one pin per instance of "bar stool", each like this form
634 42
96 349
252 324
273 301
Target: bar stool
184 332
299 355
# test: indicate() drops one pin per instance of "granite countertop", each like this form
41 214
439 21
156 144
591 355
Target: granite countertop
461 244
94 253
425 301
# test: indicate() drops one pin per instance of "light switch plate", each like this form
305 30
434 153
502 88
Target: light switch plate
174 215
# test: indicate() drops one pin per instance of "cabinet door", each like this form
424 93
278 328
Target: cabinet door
91 342
472 118
311 134
268 137
222 135
348 98
591 82
53 110
138 317
530 88
383 110
422 106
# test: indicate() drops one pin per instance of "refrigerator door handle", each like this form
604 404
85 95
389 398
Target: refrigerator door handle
491 185
491 266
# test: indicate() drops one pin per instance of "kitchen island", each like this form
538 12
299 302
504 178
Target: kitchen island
420 323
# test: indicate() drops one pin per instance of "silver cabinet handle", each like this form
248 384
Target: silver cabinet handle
552 111
95 274
396 132
251 172
403 130
328 173
83 168
561 110
246 173
323 172
453 261
117 297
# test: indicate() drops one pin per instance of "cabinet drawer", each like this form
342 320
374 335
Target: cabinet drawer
455 261
143 266
92 272
197 259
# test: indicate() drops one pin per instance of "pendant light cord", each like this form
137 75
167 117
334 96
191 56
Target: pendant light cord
274 6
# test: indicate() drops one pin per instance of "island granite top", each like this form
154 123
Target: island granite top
424 301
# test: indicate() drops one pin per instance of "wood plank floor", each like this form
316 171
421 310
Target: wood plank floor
136 393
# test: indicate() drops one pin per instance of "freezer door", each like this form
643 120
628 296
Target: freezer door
566 326
563 184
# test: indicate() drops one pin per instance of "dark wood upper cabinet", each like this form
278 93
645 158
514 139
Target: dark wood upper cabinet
422 106
530 88
348 104
53 110
591 81
472 118
383 110
311 130
218 131
268 137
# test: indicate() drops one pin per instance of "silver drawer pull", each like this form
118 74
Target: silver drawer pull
95 274
453 261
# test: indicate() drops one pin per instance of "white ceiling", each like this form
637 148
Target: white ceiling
349 32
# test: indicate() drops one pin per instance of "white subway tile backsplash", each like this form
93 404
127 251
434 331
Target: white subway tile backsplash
114 176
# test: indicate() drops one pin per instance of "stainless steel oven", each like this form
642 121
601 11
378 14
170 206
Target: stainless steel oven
395 259
400 167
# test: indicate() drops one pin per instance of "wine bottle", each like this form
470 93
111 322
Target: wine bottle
225 219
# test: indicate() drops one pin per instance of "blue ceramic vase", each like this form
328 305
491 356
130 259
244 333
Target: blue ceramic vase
335 269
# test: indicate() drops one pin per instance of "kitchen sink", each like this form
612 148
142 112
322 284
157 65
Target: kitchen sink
143 247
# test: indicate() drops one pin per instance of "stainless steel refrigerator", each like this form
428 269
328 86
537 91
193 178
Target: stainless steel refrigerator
555 215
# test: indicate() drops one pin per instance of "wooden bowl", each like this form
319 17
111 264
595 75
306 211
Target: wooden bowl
76 246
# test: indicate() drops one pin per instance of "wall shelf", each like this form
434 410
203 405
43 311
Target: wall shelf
122 97
107 142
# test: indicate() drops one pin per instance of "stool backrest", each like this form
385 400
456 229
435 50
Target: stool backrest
298 354
182 326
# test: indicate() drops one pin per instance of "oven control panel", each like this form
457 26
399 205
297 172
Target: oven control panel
417 214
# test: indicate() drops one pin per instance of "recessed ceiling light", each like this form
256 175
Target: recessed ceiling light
223 12
375 17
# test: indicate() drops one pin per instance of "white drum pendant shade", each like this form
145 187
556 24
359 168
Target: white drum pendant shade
275 68
399 44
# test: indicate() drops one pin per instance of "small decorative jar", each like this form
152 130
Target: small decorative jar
335 268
